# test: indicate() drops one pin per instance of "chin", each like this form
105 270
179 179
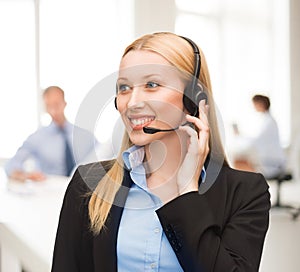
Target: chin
140 138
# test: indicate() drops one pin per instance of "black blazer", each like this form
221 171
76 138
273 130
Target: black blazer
222 230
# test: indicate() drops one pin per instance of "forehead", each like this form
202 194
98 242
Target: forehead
142 57
53 96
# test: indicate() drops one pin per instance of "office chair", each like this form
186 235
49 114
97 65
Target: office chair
280 178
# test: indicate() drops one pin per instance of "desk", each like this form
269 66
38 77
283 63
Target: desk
28 221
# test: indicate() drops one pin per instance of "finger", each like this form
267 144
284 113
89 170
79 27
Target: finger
203 131
204 126
193 146
202 105
203 111
201 123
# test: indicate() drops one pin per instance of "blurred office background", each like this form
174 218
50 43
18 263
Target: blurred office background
252 46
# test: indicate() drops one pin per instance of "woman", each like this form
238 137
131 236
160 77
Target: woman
147 210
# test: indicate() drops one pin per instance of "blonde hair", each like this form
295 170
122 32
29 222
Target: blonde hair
179 53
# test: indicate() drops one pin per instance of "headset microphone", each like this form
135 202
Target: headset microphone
150 130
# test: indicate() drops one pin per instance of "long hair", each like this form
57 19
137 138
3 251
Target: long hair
180 54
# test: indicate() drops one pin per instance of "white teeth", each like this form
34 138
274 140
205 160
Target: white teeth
138 122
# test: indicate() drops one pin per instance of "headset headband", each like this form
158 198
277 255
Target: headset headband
197 63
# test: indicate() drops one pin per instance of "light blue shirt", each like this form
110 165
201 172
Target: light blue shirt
44 150
142 245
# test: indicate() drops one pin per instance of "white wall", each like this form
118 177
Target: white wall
295 85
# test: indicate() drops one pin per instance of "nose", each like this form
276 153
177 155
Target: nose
136 99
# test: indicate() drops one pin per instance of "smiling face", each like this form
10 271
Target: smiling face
150 93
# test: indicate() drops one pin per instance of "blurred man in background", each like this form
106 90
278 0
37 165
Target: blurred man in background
49 150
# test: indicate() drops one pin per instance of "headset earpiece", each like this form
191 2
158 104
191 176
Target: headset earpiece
115 102
188 102
192 98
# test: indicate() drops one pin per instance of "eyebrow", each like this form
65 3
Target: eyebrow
142 78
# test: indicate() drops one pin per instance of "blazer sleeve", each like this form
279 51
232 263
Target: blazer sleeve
220 230
71 243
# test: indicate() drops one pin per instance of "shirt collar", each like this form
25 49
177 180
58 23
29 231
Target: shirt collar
68 127
134 156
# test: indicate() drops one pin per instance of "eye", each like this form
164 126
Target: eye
123 88
152 85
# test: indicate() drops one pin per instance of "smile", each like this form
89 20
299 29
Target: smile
141 121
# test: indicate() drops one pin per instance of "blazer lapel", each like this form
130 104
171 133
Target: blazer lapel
104 251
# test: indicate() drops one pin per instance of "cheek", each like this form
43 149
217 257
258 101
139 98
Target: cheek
171 107
121 104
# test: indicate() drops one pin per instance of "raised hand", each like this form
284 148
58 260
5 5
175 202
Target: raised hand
198 149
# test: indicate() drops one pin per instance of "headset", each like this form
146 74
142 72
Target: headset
193 92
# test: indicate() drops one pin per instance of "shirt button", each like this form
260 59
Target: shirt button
153 265
156 230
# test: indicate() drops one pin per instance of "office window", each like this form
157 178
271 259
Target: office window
81 44
246 46
18 111
70 43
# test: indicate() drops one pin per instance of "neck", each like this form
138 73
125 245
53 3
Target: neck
61 122
163 160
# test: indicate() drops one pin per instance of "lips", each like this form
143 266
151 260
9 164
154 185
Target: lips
140 122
